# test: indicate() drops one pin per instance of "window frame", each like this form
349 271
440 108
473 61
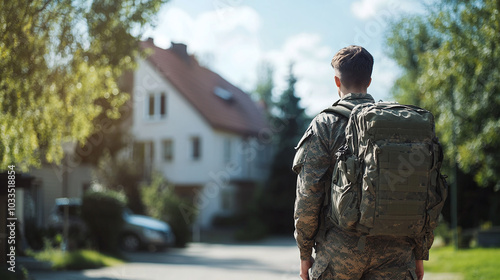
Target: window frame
156 106
168 150
195 148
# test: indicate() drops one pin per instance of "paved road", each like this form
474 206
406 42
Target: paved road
272 259
275 259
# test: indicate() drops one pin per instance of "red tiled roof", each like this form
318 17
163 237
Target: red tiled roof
197 84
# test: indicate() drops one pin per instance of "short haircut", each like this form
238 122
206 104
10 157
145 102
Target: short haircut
355 65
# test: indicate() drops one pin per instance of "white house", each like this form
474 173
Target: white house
205 135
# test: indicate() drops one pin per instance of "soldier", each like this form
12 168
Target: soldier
338 254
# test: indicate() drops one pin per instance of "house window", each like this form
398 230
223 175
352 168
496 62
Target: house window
195 148
151 106
156 106
227 150
168 150
163 104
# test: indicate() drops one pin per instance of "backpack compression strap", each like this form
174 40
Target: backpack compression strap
340 107
343 108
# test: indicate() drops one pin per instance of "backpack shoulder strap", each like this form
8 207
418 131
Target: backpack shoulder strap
341 107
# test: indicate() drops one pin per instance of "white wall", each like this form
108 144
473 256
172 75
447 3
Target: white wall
50 178
181 123
213 171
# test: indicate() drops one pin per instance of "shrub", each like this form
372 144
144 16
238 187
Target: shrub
253 230
103 214
121 175
255 219
162 203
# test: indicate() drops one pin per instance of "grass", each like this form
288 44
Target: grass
476 263
76 260
20 274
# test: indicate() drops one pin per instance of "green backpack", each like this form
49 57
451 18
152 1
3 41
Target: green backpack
387 178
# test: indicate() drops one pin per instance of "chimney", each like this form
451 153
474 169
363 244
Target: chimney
151 40
180 50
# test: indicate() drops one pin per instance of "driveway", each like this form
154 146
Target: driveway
275 258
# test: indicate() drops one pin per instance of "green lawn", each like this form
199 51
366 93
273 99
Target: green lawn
477 263
76 260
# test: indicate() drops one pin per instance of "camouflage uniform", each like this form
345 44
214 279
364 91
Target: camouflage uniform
338 255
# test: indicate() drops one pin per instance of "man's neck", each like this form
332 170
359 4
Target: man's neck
343 94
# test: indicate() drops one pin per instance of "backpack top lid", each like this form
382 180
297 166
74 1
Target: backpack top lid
391 121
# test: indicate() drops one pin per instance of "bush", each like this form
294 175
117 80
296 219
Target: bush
255 219
162 203
254 230
103 214
121 175
228 221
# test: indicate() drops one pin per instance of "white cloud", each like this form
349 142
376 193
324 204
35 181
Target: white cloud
366 9
385 72
229 42
225 39
311 66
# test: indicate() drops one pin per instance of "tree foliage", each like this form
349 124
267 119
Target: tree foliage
290 122
264 89
450 61
58 58
121 175
164 204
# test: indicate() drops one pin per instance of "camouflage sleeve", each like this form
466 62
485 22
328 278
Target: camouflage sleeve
423 245
312 162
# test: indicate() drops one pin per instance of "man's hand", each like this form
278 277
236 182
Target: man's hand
304 268
419 270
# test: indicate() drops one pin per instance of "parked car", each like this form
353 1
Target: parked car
142 231
138 232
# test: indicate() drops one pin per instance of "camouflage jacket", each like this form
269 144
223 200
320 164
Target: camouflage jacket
313 163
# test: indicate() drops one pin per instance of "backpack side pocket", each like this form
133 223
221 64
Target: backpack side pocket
344 193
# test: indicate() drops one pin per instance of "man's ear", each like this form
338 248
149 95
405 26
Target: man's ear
369 83
337 81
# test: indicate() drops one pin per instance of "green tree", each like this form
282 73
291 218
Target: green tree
265 85
278 196
121 175
58 58
455 55
450 59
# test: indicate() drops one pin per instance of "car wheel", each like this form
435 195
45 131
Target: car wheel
130 242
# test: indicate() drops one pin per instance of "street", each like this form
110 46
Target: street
275 258
270 259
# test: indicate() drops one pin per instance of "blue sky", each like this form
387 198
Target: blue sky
233 37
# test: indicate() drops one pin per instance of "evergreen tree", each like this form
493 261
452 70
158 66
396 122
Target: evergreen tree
279 195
